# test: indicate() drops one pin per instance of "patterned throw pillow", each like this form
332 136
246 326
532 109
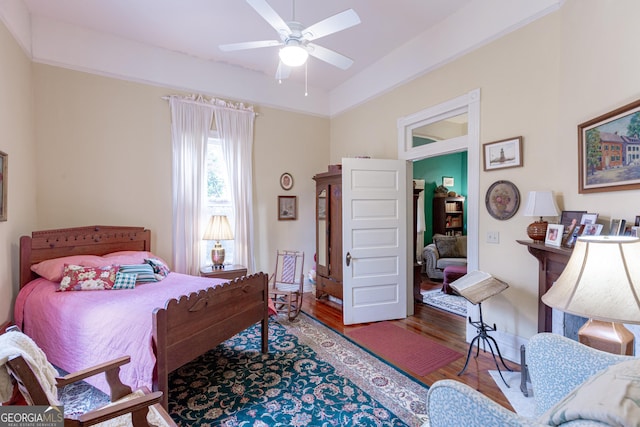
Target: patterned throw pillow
446 246
125 281
79 278
159 267
144 271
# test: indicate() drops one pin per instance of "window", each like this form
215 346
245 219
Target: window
217 198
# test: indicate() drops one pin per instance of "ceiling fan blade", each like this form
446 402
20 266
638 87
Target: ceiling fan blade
330 56
283 71
270 15
248 45
332 24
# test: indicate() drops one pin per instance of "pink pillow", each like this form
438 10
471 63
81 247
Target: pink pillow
53 269
130 257
79 278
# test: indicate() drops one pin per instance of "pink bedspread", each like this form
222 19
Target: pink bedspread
78 330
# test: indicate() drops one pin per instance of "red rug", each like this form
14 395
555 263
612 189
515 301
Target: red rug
405 349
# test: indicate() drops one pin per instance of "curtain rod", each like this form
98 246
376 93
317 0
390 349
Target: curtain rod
206 104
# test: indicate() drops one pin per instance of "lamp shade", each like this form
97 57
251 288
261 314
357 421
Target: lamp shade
601 280
540 203
293 55
218 229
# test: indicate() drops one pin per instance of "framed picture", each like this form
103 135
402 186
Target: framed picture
554 235
589 218
609 151
287 208
634 231
571 238
568 216
637 223
3 185
506 153
447 181
286 181
502 200
617 227
592 230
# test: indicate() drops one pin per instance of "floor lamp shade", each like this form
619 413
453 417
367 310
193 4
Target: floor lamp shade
218 229
539 203
602 282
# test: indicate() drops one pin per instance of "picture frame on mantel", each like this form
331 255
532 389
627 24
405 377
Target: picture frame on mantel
604 161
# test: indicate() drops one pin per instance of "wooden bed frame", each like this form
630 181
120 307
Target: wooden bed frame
186 327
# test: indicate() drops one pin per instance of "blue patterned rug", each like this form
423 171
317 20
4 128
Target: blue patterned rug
452 303
312 376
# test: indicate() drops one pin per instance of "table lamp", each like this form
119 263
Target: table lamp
602 282
539 203
218 229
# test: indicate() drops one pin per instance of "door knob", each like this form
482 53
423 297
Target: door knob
348 259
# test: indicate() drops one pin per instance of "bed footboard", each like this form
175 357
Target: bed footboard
194 324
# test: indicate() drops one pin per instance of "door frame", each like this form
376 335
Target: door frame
468 103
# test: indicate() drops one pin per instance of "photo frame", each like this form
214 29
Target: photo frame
4 159
503 154
554 235
589 218
637 223
604 161
592 230
617 227
286 181
568 216
502 200
287 208
572 237
447 181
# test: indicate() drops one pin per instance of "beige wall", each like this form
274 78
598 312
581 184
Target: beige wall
104 153
18 141
540 82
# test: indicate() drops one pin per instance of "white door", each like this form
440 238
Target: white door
375 243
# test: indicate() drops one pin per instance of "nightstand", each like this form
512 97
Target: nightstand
228 272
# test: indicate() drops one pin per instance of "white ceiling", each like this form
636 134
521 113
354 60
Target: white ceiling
174 43
197 27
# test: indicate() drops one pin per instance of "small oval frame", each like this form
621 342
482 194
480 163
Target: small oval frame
286 181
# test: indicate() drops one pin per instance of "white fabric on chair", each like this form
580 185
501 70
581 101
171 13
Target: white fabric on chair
16 343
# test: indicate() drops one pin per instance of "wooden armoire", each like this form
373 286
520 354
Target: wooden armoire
329 233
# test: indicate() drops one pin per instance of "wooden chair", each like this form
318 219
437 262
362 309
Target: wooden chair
286 284
139 408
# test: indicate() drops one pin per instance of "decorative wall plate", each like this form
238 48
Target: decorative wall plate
502 200
286 181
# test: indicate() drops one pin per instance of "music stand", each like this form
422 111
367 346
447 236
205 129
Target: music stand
476 287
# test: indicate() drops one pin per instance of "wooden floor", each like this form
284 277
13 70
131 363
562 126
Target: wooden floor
440 326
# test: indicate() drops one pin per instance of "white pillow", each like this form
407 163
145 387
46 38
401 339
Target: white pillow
611 396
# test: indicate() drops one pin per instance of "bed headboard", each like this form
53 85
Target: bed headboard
90 240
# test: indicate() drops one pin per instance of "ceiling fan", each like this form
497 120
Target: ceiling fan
296 39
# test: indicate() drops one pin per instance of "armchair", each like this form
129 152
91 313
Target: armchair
37 381
557 366
443 252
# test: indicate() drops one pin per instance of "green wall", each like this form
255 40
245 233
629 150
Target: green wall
432 170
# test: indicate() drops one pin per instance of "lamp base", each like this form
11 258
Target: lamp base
537 231
217 256
611 337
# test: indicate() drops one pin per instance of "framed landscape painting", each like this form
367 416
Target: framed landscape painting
609 151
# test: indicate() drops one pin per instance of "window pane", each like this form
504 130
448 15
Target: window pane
218 199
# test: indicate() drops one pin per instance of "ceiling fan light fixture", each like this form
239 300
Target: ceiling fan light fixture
293 55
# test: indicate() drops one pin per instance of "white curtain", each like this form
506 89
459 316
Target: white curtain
190 127
191 119
235 128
